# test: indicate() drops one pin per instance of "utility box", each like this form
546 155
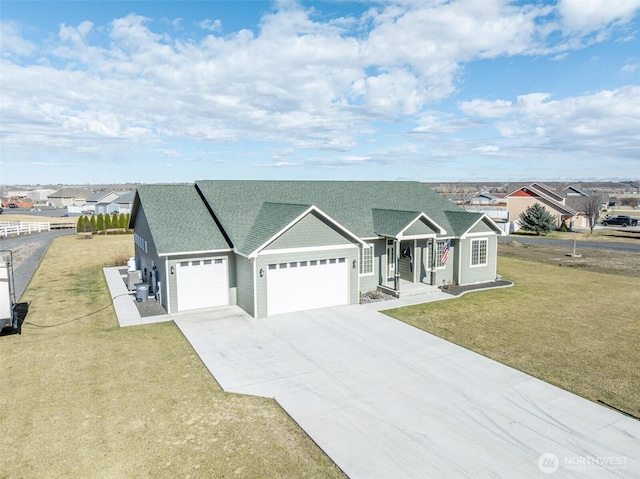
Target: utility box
142 292
7 293
133 278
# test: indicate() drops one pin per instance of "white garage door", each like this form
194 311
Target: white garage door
301 285
202 284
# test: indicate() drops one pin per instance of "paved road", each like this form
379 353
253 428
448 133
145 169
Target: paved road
631 247
386 400
28 251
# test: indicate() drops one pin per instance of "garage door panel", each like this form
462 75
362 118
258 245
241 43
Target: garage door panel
202 284
298 286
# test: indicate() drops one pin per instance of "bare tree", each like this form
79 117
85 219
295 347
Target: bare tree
592 209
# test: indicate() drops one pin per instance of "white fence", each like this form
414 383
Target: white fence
11 228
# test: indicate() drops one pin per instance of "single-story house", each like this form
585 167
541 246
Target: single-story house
568 204
103 199
281 246
69 197
526 196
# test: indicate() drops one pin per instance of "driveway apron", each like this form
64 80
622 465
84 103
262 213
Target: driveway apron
386 400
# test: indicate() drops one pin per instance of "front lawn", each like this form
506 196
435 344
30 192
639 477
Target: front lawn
579 330
90 399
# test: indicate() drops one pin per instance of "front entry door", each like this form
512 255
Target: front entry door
391 260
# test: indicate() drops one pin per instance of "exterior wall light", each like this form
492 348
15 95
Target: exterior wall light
354 264
173 270
261 272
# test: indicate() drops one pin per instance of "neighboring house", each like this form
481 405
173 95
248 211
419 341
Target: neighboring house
69 197
526 196
484 198
102 198
280 246
124 202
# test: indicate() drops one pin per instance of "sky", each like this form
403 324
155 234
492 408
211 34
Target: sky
426 90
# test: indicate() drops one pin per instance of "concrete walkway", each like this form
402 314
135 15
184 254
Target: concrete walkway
386 400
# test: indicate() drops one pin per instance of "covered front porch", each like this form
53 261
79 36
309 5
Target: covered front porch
407 288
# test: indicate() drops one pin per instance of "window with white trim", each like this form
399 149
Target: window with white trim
479 252
366 260
439 253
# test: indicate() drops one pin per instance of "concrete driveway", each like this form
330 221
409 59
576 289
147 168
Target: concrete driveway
386 400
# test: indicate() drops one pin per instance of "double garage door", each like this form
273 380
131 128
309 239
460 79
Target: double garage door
202 284
301 285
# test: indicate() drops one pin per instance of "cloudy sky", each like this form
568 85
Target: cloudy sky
428 90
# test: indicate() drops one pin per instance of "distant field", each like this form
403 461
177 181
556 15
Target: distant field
37 218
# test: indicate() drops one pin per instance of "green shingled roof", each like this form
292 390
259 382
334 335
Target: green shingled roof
178 219
239 205
391 222
252 212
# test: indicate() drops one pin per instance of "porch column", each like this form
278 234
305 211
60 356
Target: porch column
396 276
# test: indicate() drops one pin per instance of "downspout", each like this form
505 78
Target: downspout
168 282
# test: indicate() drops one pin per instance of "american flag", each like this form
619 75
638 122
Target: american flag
445 252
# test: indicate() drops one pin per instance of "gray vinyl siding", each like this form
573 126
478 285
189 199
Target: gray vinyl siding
244 275
147 260
446 274
478 274
231 269
263 261
370 282
481 227
421 261
419 228
405 263
309 231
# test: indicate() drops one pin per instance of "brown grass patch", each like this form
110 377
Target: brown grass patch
91 399
579 330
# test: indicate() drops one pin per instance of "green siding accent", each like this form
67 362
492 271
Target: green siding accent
371 282
309 231
244 275
422 267
150 258
478 274
405 264
263 261
482 227
446 274
420 227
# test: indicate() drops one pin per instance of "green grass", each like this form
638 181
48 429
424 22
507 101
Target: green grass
91 399
579 330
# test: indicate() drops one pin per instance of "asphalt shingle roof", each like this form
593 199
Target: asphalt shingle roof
252 212
240 206
179 220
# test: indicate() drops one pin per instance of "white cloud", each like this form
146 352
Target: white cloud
593 15
604 123
301 83
486 109
12 41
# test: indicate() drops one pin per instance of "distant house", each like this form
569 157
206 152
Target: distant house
485 198
125 202
102 198
69 197
281 246
566 205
